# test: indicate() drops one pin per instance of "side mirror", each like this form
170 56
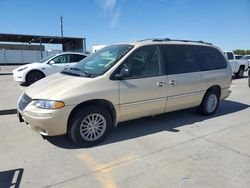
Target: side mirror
123 74
51 62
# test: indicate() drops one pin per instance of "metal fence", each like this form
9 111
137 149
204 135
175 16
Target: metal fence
8 57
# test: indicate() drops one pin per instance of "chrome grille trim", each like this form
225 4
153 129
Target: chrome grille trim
24 101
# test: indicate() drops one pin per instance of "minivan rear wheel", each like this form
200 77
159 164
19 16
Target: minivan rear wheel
90 125
210 103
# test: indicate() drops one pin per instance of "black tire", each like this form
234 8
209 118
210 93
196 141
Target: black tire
33 76
240 73
205 108
75 124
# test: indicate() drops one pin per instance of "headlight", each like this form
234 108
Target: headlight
49 104
22 69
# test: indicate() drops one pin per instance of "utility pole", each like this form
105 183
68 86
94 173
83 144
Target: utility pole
41 51
61 23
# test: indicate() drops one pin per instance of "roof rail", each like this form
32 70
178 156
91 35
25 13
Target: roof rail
160 40
154 39
199 41
177 40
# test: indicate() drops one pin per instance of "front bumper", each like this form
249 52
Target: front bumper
18 76
47 122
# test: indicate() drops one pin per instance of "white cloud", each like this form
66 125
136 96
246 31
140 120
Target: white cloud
111 11
108 5
114 18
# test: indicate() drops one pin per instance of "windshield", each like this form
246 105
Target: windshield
238 56
102 60
46 58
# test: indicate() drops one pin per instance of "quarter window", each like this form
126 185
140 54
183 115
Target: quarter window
211 58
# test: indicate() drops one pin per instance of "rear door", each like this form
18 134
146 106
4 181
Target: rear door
183 75
75 58
143 93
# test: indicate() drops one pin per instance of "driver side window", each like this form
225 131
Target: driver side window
62 59
144 62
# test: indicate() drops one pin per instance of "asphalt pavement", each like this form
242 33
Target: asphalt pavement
178 149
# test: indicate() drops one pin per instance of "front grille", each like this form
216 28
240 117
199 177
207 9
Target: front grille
24 101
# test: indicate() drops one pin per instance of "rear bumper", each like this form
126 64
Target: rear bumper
225 92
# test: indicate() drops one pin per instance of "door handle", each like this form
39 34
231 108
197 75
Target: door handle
66 66
172 82
160 84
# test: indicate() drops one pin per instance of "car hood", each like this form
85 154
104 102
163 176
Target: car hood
21 67
242 60
30 65
57 86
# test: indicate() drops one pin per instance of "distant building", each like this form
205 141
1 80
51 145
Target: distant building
21 49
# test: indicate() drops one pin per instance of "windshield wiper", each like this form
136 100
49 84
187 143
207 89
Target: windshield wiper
87 74
72 69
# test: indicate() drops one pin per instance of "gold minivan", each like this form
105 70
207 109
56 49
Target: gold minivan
123 82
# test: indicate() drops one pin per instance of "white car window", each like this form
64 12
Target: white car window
62 59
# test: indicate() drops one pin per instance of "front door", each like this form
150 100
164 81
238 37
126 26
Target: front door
59 64
143 92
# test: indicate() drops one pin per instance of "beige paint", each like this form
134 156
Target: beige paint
131 99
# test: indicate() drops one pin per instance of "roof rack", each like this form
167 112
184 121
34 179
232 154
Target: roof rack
177 40
199 41
154 39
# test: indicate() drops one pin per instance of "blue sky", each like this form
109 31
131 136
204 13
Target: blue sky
225 23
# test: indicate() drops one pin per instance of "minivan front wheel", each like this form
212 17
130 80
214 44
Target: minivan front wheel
90 126
210 103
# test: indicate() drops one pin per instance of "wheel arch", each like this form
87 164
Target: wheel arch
34 70
99 102
242 66
216 88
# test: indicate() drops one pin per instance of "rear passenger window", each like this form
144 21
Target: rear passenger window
230 56
211 58
76 58
181 59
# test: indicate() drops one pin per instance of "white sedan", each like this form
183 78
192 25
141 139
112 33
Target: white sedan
30 73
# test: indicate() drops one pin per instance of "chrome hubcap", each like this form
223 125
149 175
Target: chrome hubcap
93 127
211 103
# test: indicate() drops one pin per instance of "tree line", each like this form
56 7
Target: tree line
242 52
